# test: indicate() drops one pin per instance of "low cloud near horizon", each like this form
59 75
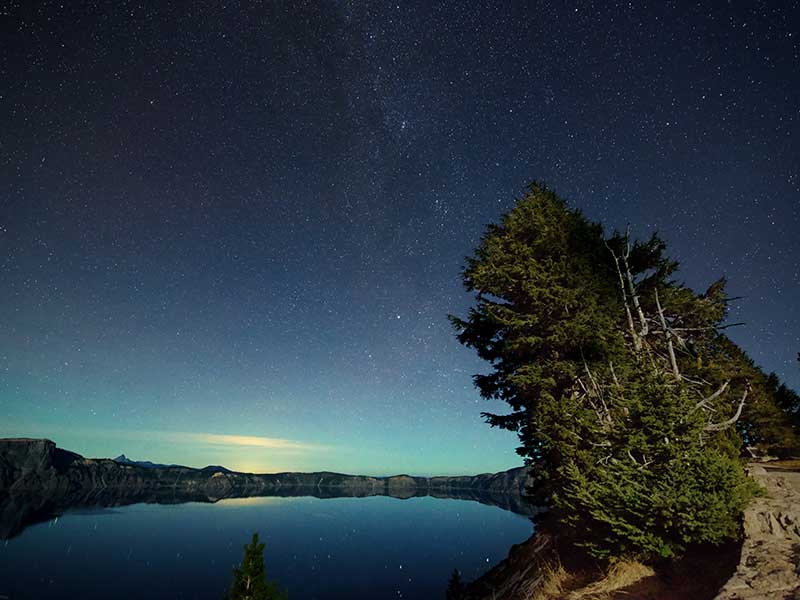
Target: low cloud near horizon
217 440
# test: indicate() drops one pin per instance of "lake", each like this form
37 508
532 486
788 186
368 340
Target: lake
319 549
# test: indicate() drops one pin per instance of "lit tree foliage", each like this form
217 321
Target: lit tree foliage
623 388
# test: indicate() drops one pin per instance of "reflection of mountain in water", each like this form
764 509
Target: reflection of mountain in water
39 481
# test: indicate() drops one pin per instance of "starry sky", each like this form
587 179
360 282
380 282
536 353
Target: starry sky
231 233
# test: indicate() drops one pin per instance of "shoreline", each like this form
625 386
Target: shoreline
38 480
765 563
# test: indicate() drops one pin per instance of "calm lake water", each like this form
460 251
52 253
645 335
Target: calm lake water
319 549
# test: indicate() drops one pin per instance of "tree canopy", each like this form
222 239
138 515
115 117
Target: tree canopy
629 400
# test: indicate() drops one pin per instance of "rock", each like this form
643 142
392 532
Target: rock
770 559
527 571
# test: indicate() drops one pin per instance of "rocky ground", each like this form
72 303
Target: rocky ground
770 561
764 566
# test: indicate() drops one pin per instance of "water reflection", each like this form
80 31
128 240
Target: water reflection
19 510
320 548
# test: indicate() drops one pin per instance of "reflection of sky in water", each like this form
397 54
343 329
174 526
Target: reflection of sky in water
342 548
253 501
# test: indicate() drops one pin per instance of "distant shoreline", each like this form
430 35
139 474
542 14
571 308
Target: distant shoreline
38 480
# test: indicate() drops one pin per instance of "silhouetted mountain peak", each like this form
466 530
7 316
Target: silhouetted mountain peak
216 468
124 460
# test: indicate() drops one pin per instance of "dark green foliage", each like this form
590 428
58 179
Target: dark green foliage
656 489
542 301
623 389
455 588
768 424
785 398
249 579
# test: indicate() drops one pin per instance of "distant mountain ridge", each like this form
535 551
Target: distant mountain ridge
38 480
27 463
124 460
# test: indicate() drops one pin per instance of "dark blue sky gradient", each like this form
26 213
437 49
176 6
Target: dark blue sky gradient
250 220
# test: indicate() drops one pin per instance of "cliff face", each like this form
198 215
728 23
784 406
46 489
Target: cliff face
525 573
27 464
765 564
769 565
38 480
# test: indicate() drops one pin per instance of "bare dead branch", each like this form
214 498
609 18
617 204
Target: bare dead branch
632 286
598 391
733 419
588 395
713 327
668 336
715 395
704 403
683 345
696 381
613 373
636 341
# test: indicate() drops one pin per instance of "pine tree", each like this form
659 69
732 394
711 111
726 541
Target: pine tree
455 587
628 399
653 487
544 303
249 579
786 398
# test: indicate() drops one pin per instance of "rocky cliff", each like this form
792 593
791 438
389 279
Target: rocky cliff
764 565
39 480
769 566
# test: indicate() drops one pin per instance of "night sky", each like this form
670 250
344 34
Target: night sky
232 234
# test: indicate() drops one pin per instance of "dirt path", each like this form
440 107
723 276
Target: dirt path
769 567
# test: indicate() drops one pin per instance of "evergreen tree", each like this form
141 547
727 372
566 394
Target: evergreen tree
249 579
786 398
653 487
455 588
544 302
624 390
